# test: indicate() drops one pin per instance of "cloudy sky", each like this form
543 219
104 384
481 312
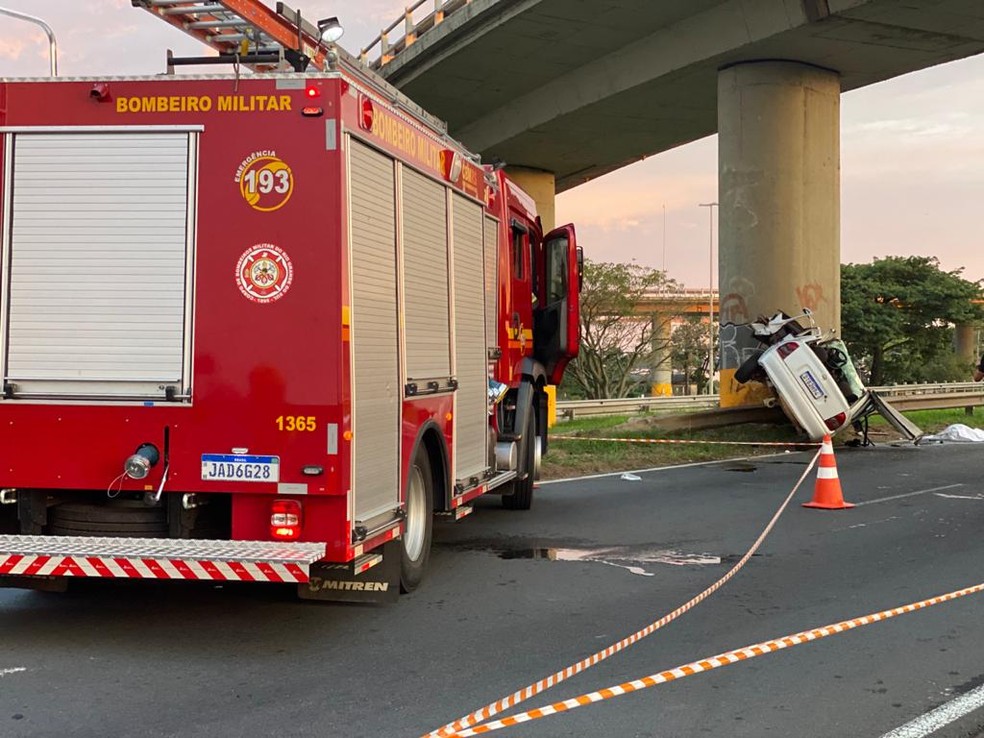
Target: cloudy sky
912 148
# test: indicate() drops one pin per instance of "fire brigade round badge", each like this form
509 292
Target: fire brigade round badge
265 181
264 273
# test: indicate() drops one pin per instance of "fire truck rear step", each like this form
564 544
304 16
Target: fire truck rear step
457 514
155 558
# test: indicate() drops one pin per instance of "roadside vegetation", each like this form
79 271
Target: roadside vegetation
897 318
570 458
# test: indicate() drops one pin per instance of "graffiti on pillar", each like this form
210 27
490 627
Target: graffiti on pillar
733 309
736 344
729 346
810 295
734 305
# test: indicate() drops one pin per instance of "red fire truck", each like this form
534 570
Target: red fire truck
264 325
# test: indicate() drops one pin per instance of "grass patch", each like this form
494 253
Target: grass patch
932 421
575 458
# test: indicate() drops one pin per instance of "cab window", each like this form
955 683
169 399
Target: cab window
557 270
518 238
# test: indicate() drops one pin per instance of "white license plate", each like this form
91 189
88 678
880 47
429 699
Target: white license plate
230 468
811 384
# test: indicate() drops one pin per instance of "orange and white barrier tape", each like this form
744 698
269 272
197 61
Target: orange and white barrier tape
715 662
494 708
811 444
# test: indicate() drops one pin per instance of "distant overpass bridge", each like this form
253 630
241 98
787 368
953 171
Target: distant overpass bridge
662 306
565 91
678 302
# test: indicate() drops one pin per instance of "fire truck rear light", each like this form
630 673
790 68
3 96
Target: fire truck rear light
785 349
312 112
285 520
836 422
312 92
312 471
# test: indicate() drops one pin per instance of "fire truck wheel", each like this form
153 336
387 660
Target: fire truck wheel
127 518
420 517
522 494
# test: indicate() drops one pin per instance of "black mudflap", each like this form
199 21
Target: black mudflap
39 584
337 583
896 419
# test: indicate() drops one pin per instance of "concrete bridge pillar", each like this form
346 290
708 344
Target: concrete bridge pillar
662 380
779 198
966 342
542 187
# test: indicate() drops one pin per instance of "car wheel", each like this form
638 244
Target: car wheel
750 368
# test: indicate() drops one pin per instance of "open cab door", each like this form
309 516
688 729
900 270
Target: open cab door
557 314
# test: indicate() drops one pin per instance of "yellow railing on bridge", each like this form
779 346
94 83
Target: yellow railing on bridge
412 30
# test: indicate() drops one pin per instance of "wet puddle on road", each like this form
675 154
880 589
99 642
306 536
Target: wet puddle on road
739 466
640 560
634 560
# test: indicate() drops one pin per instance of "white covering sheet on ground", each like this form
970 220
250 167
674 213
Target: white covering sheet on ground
957 432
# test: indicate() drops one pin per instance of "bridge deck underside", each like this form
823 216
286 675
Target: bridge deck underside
581 89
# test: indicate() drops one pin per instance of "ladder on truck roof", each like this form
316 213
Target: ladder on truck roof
246 32
267 40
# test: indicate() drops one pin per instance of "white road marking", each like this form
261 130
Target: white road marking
865 525
661 468
960 497
907 494
14 670
943 715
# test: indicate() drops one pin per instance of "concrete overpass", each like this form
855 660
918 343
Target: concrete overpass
566 91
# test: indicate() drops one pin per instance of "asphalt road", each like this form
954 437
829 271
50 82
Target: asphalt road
499 611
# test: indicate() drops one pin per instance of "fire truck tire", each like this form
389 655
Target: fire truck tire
416 541
128 518
522 494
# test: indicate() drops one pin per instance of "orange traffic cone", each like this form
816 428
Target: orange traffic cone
827 492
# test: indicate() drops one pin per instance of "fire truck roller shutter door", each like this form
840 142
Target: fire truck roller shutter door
375 361
100 247
425 269
471 365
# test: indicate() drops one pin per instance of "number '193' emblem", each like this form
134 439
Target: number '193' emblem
265 181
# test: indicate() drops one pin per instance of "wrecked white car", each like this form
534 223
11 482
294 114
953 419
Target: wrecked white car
815 380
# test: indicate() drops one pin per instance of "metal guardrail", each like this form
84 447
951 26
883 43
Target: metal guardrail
570 409
939 395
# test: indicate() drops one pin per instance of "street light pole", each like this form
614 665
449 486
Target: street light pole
664 242
710 296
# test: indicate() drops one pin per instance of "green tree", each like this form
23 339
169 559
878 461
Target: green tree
689 352
618 330
898 314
